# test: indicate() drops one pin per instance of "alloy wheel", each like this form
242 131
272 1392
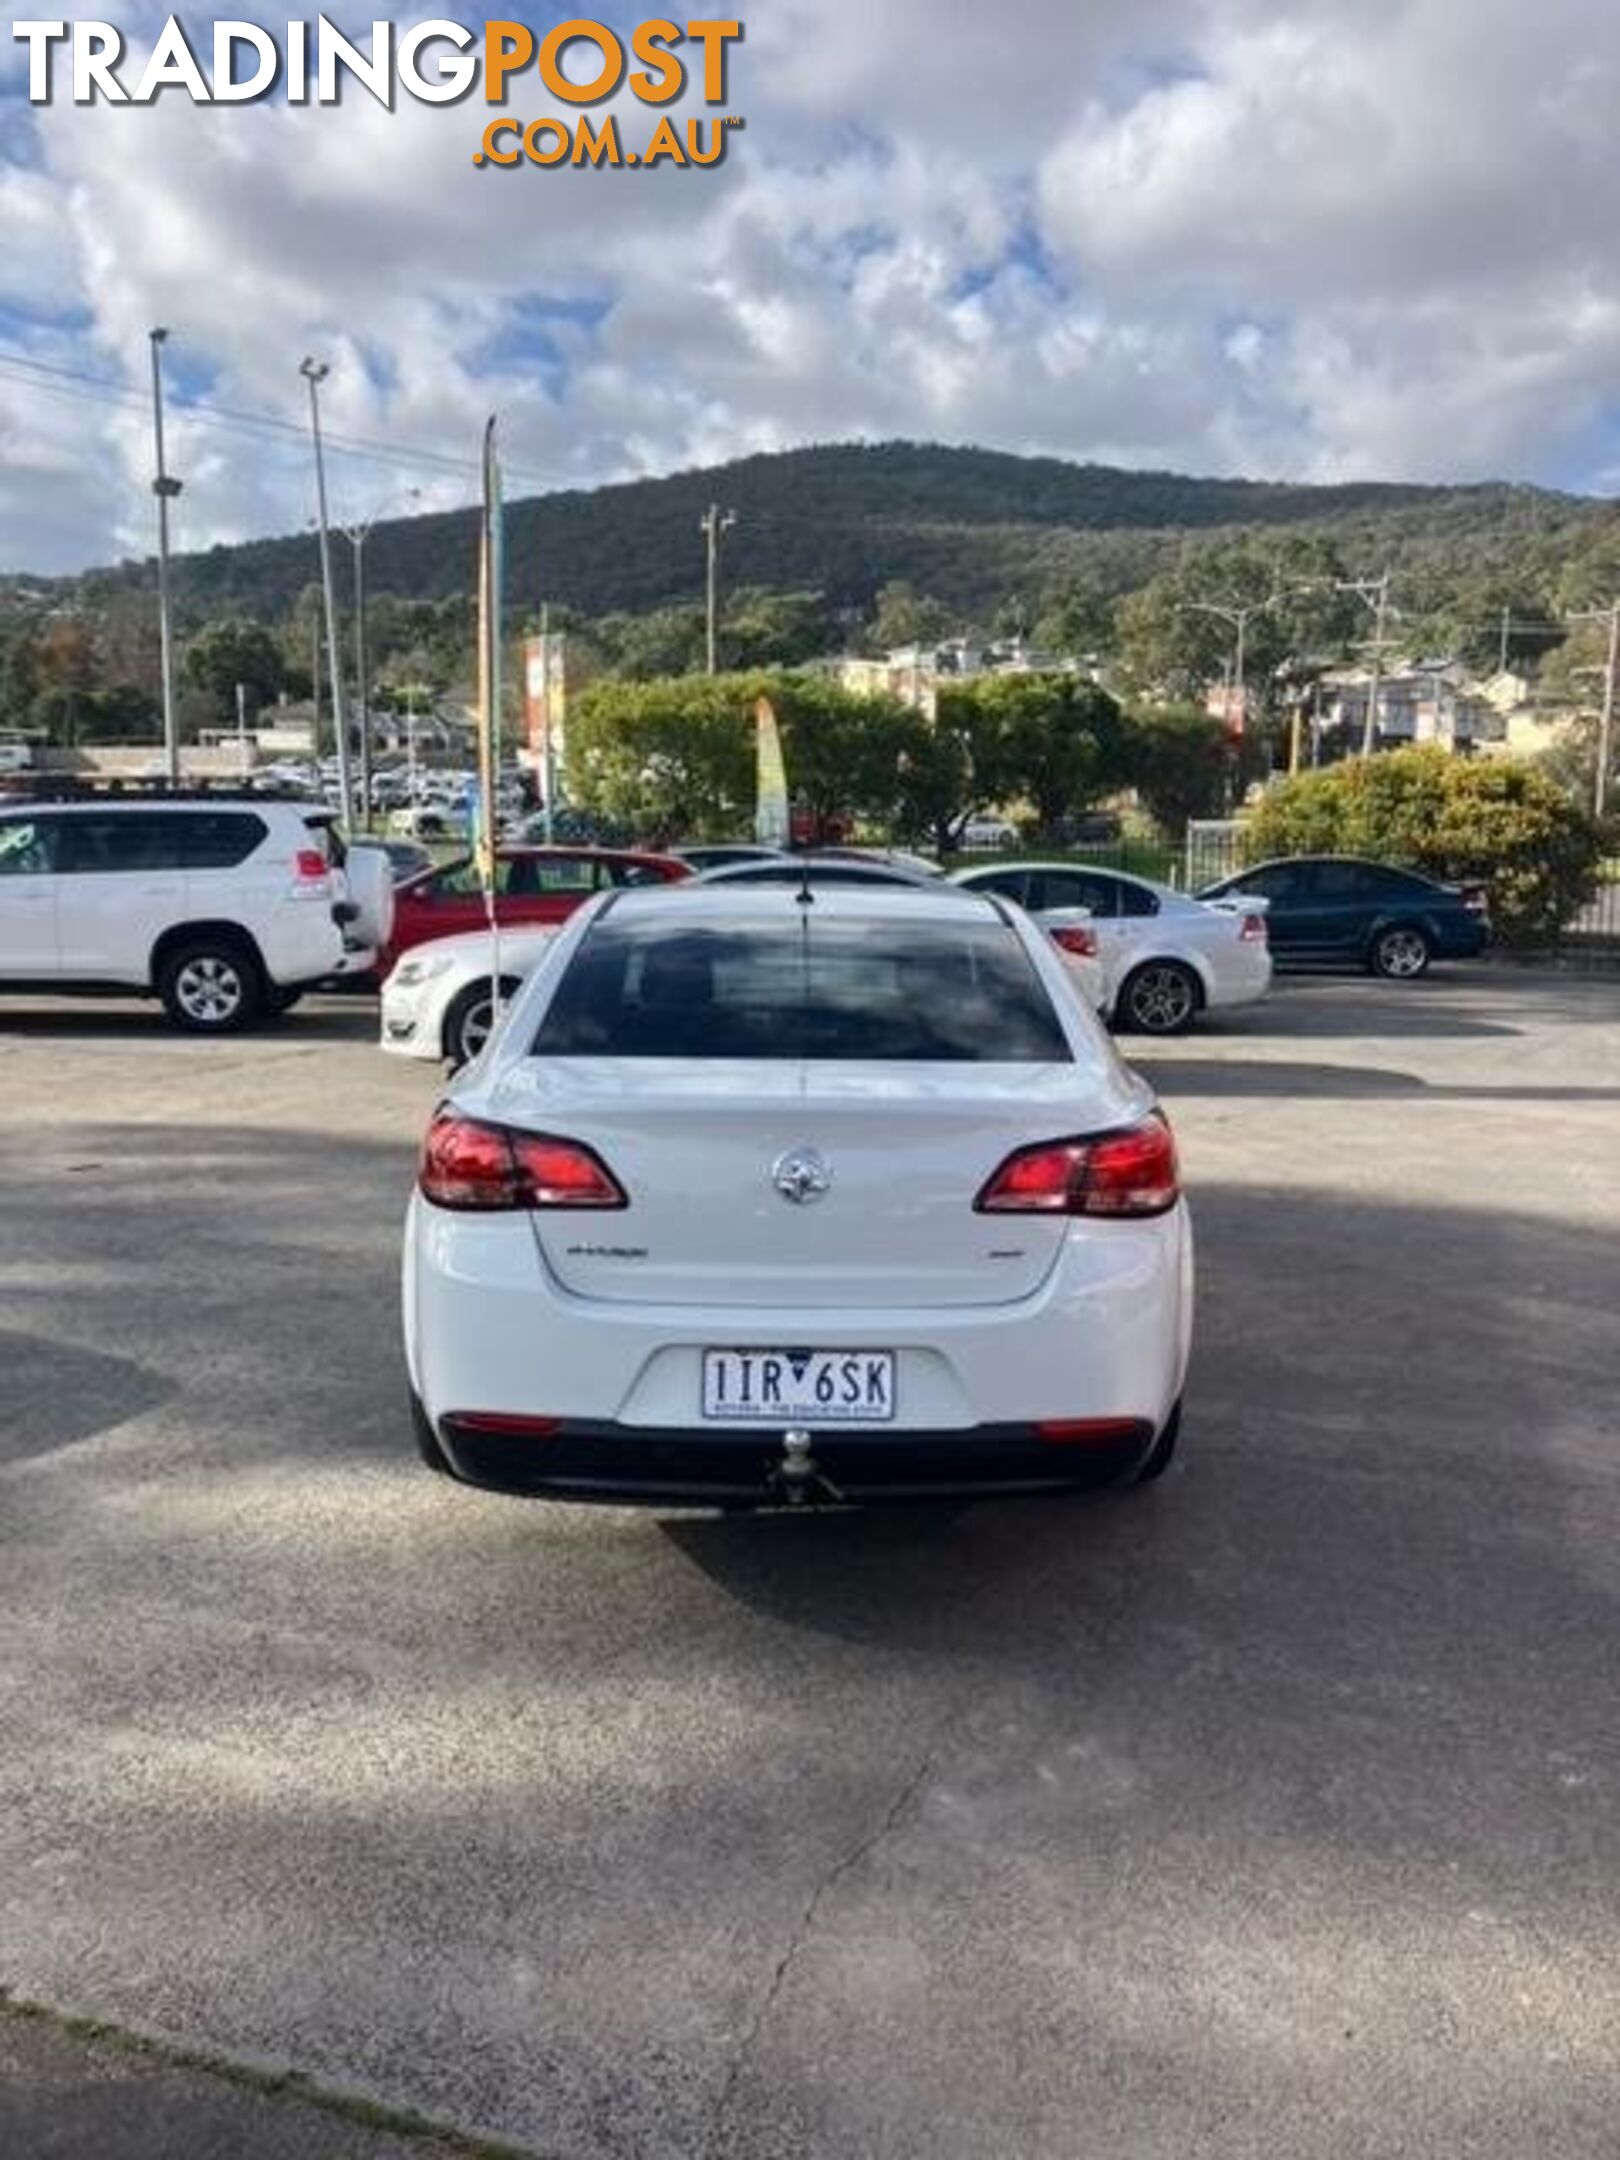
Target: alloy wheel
477 1025
1161 1000
1402 954
209 990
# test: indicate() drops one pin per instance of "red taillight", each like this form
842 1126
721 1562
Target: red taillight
1120 1173
504 1424
1254 930
477 1167
1095 1431
1074 939
310 866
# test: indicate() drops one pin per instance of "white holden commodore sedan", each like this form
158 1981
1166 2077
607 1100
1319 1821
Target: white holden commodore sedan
765 1196
439 1001
1165 956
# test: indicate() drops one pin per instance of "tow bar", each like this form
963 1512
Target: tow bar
799 1473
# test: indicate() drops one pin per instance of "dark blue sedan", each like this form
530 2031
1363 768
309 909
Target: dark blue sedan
1337 908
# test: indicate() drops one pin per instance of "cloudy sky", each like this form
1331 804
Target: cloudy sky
1289 238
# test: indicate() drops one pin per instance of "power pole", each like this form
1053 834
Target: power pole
1374 592
165 489
714 523
1611 688
1369 732
1502 655
314 373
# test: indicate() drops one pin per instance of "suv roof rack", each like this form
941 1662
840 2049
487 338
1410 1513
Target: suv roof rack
114 787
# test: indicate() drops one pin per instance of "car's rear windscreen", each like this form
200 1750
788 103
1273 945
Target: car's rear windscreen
957 992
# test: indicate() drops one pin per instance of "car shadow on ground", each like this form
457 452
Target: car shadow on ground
138 1023
1477 1000
55 1393
1288 1077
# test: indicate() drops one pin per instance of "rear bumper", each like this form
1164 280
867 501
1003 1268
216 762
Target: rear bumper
618 1387
1462 940
1241 978
594 1461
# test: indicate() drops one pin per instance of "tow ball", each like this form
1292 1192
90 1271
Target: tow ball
798 1473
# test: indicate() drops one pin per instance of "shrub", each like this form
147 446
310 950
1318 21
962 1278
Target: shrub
1500 822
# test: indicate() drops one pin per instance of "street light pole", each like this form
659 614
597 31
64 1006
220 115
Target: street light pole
357 537
362 709
315 372
1239 615
715 522
165 489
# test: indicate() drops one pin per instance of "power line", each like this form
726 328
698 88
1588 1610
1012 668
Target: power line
107 390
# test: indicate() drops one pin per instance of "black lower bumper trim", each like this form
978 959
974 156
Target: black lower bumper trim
629 1465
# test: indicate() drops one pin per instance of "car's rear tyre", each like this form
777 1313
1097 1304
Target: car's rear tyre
427 1440
1161 997
471 1020
211 985
1163 1451
1400 953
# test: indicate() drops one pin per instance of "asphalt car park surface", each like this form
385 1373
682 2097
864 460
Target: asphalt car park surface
1271 1810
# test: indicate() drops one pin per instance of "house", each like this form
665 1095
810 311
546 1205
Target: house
1420 701
914 673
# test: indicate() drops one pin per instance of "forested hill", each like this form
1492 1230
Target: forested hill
966 525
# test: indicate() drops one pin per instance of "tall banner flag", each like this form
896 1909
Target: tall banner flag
489 670
544 686
772 825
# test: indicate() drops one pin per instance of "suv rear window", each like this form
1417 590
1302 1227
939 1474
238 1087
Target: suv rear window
960 992
219 839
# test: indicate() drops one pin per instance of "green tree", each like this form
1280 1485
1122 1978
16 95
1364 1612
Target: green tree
674 759
228 653
904 616
1179 762
19 675
1055 741
1179 633
843 751
645 648
1075 620
1501 821
760 629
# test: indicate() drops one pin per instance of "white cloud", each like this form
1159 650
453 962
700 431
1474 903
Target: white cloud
1314 238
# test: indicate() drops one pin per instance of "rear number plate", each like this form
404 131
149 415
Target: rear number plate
800 1387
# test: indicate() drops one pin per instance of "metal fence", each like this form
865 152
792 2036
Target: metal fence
1593 938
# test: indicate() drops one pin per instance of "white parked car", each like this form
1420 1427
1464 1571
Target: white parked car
439 1001
753 1200
1166 957
226 908
988 832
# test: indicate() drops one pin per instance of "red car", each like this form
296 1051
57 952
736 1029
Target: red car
532 885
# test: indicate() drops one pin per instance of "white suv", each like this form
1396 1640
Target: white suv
226 909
